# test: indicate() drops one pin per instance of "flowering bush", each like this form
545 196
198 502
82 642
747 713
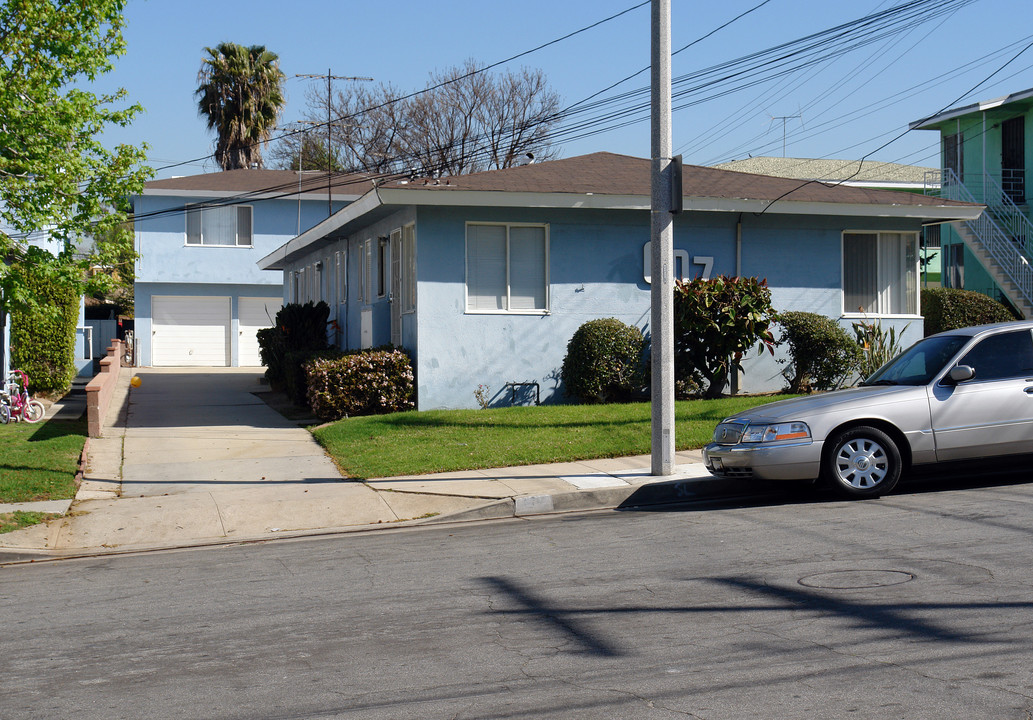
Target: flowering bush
363 383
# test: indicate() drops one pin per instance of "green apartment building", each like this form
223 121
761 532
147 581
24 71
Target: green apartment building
984 152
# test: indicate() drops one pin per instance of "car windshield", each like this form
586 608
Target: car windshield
920 363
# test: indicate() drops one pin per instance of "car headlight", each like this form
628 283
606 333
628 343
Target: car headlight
776 432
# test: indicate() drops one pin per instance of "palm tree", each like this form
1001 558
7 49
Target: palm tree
240 91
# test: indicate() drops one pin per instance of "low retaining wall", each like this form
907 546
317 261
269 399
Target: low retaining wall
100 389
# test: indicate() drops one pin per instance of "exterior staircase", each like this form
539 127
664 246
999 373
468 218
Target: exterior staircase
1000 238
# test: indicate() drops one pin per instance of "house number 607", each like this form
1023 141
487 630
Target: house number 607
681 263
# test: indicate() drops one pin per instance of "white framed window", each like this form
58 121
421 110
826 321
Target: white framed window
507 268
408 288
365 260
220 226
383 266
880 273
342 277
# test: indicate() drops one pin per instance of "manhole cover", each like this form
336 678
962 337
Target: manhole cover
856 579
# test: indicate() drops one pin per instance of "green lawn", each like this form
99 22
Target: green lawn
39 462
447 440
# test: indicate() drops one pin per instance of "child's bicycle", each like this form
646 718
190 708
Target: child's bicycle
15 403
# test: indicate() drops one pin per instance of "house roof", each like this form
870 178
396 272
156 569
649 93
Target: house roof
609 181
852 172
261 184
1022 99
606 173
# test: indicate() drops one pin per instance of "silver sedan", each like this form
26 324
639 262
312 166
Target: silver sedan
958 395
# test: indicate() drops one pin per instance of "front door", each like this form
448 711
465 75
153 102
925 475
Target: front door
991 414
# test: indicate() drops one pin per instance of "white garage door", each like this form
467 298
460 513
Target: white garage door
190 331
254 314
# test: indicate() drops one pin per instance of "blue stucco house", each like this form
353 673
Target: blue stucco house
200 294
985 149
484 278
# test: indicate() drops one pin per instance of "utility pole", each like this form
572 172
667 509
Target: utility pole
661 323
329 77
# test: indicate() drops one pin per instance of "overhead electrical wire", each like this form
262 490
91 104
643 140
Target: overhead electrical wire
718 80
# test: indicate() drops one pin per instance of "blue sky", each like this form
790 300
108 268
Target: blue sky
847 107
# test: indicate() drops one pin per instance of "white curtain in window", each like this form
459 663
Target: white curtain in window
486 267
219 226
527 268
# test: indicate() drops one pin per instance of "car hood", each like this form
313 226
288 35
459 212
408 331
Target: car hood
868 397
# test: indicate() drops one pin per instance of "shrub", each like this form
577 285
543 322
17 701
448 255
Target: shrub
299 328
822 355
368 382
295 371
715 322
878 345
950 309
43 337
604 361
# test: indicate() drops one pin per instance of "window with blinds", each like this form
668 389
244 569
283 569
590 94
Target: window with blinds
226 226
506 268
880 273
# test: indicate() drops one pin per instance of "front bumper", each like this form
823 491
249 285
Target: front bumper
799 461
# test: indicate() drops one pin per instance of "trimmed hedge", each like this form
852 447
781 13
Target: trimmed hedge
43 339
950 309
822 355
300 331
604 361
369 382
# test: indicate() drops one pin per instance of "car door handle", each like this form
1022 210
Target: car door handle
1028 391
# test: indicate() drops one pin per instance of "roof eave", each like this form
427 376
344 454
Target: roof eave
296 246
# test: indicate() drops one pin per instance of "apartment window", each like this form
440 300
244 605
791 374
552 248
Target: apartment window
225 226
383 266
880 273
366 259
408 268
506 268
342 277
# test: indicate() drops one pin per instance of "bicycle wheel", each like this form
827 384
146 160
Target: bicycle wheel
5 413
34 411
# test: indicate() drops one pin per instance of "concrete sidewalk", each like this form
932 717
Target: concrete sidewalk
193 457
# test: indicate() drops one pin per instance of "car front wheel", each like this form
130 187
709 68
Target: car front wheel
864 462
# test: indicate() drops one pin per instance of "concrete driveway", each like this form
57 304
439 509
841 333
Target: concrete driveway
199 430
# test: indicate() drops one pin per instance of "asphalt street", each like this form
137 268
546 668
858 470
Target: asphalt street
917 605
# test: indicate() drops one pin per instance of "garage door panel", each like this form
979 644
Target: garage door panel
254 314
190 331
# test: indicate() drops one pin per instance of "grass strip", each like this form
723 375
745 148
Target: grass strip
448 440
39 462
17 520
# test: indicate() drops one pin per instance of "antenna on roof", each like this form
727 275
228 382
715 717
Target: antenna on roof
784 119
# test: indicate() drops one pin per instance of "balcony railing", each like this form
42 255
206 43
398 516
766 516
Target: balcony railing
1006 247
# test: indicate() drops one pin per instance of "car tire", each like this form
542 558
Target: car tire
862 462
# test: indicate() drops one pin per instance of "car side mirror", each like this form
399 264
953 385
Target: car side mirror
961 373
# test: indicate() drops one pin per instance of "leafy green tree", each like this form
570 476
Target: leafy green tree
240 92
56 179
716 321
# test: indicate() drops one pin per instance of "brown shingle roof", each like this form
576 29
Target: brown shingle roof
261 181
606 173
